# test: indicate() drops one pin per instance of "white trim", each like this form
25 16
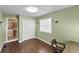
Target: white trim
1 47
43 40
11 40
30 34
7 28
25 39
37 38
21 41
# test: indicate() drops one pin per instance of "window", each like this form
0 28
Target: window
45 25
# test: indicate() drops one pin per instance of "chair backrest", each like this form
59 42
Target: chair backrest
53 43
57 45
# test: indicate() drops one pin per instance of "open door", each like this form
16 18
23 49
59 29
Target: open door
11 29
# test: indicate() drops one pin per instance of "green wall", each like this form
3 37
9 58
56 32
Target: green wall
1 29
42 35
67 28
3 16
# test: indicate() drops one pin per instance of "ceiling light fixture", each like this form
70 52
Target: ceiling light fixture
31 9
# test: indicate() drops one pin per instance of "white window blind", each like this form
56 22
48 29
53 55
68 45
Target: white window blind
45 25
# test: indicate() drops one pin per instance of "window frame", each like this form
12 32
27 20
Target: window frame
50 25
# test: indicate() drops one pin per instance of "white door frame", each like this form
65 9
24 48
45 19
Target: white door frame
7 30
29 31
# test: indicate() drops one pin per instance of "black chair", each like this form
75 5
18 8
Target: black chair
57 46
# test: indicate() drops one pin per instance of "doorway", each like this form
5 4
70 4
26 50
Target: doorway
28 29
11 29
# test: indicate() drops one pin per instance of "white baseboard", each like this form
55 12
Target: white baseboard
21 41
25 40
43 40
1 47
11 40
37 38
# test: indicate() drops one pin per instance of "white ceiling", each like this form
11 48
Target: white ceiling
43 9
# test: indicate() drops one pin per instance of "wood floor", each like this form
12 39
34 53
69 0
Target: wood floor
29 46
